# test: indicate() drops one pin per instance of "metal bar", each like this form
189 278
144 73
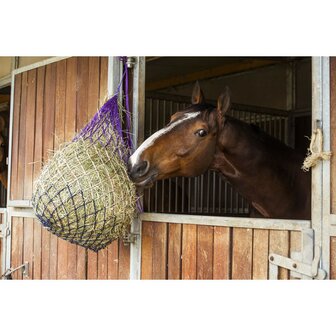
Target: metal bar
242 222
114 75
19 203
138 118
325 256
316 191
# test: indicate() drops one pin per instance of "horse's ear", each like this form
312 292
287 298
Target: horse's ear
224 102
197 95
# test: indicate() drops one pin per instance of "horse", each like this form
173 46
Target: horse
261 168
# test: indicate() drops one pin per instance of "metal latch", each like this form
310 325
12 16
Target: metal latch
130 238
310 270
8 274
130 62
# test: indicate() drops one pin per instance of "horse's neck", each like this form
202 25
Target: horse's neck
256 171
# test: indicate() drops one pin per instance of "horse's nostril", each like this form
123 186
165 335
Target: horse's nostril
138 170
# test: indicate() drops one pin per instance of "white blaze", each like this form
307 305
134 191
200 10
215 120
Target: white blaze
151 140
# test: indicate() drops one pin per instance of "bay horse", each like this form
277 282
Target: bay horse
261 168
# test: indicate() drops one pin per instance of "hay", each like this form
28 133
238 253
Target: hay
84 194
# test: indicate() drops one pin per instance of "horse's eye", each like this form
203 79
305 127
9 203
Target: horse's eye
201 133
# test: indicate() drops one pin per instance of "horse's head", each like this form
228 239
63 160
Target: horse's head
184 147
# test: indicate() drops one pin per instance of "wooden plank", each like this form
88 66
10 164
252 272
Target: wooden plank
242 254
28 245
15 139
189 250
225 69
82 119
59 138
102 264
124 261
147 250
93 100
69 132
260 254
30 134
205 245
113 261
279 244
160 251
22 135
333 133
174 251
38 154
37 249
222 253
333 258
17 246
92 267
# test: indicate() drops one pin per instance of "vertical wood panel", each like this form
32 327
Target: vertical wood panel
30 134
22 135
333 133
17 246
113 260
28 245
260 254
147 250
61 83
69 132
189 251
279 244
174 251
124 261
222 255
333 258
15 139
102 264
37 249
38 154
160 251
93 105
205 244
295 243
242 253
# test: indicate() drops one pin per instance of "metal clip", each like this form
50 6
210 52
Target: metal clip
130 62
130 238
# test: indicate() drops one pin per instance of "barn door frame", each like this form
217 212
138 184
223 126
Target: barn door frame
17 208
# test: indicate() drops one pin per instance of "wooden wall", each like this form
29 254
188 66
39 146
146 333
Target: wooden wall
176 251
51 104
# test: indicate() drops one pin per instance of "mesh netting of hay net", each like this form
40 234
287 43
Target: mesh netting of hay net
84 194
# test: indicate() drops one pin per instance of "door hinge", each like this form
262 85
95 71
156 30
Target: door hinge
130 238
310 270
8 274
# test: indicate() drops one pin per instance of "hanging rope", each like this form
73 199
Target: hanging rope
315 151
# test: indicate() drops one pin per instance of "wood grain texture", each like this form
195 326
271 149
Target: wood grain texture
189 252
160 251
37 250
260 254
17 247
147 250
113 261
174 251
222 253
30 134
28 245
205 244
15 139
242 254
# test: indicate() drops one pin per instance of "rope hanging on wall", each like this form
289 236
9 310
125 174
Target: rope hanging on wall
84 194
315 151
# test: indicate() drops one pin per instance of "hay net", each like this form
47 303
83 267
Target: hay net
84 194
